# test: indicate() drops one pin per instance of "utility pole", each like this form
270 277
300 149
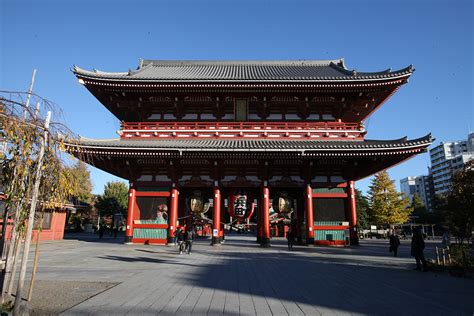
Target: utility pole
30 90
31 218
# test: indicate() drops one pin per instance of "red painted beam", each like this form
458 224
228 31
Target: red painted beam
330 195
162 194
149 241
330 243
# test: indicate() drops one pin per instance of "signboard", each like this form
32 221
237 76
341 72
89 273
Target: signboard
215 233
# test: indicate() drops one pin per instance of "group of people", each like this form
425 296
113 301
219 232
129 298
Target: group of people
114 229
184 239
417 247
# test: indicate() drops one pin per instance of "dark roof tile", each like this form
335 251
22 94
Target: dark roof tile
257 145
303 70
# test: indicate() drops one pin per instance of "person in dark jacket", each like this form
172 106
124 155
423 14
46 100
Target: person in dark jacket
189 236
101 229
291 239
179 235
417 247
394 243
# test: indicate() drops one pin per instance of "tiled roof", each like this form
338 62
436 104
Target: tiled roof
252 145
242 71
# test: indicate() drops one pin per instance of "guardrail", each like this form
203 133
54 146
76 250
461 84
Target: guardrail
255 130
241 126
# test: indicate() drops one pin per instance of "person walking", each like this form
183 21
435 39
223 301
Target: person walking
417 247
291 239
179 235
394 243
189 240
101 229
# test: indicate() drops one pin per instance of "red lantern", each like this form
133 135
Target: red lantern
241 206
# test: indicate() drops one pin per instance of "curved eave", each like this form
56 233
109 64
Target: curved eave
107 78
112 146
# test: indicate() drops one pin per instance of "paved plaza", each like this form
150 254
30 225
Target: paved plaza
241 278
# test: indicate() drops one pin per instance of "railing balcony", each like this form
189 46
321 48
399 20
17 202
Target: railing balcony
241 125
333 130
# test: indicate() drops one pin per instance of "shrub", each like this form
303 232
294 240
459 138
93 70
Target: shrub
461 255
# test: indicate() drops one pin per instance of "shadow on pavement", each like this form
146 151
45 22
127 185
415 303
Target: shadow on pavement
93 237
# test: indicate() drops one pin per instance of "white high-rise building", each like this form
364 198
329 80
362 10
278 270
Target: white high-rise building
421 185
408 187
447 159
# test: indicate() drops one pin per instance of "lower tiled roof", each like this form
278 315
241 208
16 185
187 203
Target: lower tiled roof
249 145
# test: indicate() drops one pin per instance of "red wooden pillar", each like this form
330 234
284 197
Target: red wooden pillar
131 215
216 221
265 238
354 238
173 216
259 220
309 216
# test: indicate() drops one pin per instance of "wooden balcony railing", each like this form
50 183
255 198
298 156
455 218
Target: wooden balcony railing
213 126
251 130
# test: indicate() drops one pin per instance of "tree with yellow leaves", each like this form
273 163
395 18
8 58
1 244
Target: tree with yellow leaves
387 205
33 177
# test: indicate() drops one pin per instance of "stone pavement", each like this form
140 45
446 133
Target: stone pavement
239 277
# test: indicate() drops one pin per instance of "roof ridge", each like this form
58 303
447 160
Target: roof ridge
289 62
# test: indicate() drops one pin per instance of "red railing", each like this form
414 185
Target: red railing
151 126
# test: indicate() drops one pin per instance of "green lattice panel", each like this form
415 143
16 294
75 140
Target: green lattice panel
327 223
329 190
325 235
150 221
150 233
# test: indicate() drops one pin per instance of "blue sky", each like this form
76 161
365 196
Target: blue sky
436 36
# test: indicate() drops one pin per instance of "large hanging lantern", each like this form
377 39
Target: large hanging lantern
282 203
241 206
198 204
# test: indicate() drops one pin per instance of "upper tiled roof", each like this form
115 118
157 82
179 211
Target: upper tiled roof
242 71
252 145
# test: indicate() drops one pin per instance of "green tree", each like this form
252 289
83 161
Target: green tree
460 207
387 205
114 199
419 209
440 205
362 206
